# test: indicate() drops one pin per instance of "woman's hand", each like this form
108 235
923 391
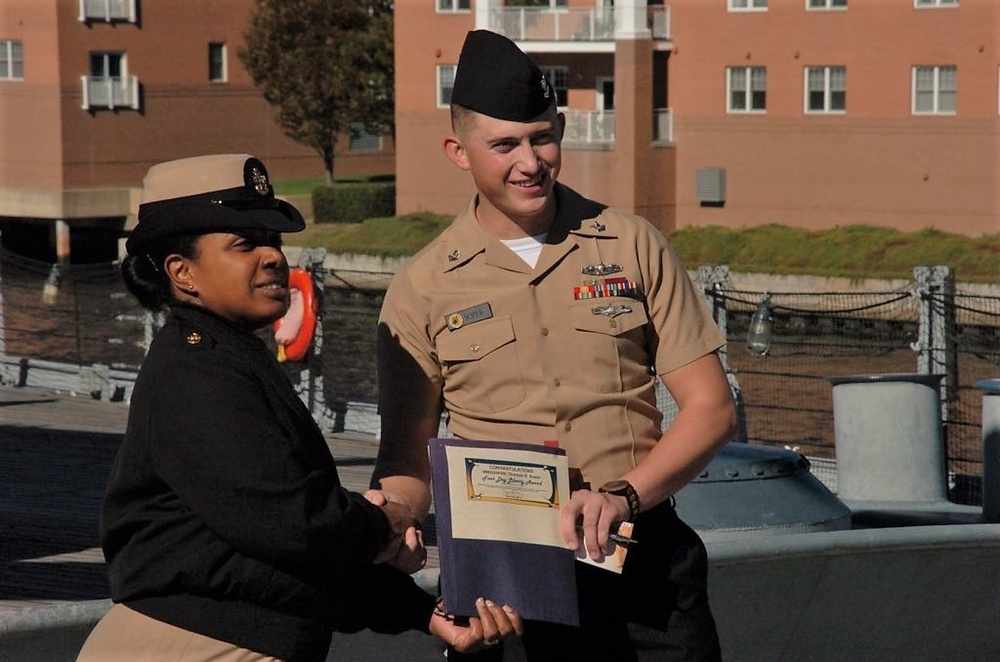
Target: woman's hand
493 625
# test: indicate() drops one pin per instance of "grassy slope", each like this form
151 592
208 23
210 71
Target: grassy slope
853 251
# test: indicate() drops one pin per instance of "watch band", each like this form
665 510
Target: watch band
622 487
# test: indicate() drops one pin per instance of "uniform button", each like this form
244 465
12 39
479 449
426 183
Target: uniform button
614 324
545 332
194 338
568 426
555 382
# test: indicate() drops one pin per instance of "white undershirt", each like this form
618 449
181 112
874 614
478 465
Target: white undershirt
527 248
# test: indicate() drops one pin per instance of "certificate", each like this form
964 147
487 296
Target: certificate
497 508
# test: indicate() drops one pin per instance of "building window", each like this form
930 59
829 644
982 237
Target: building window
935 3
826 4
934 90
11 60
453 5
217 67
558 78
107 65
109 85
746 89
362 140
747 5
826 89
445 84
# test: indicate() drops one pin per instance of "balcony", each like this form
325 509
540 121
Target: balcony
108 10
594 126
597 127
595 24
110 92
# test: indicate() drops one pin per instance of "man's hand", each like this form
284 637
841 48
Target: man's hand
593 513
493 625
404 551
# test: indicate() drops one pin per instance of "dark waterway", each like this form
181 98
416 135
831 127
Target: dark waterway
85 316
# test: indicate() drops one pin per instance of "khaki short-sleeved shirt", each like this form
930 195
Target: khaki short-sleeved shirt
567 350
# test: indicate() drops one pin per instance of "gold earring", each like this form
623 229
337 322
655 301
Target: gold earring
190 287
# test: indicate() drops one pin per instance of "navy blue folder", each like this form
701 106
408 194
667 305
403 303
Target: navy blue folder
537 580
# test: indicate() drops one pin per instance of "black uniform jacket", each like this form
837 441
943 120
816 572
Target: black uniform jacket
224 513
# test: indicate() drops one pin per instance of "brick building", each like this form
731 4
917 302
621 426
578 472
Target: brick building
812 113
93 92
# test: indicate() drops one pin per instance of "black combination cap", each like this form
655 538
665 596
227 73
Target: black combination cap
498 79
216 193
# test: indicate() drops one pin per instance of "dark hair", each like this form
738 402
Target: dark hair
144 275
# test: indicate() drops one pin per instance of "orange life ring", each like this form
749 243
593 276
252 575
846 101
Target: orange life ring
294 332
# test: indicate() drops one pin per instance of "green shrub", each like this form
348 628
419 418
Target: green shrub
353 202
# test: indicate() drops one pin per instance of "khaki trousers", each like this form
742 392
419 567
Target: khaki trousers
125 634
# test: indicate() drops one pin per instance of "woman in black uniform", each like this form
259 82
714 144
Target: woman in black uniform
227 532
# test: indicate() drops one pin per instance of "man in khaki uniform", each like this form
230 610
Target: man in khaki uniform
542 315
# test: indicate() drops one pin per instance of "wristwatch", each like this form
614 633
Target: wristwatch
622 487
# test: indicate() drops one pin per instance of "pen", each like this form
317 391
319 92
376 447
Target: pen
623 540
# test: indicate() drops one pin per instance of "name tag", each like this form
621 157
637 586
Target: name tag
460 318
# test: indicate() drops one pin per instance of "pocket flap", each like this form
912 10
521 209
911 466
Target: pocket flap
474 341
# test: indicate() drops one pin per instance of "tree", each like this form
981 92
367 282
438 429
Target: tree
325 65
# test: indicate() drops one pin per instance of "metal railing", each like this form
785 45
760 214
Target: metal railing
110 92
108 10
598 126
589 126
88 336
663 124
569 23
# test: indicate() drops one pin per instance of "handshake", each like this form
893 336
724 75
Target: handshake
404 549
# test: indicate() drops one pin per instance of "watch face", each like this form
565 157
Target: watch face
615 486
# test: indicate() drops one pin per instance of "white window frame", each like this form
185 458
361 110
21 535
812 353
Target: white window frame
826 5
443 72
14 62
452 6
936 89
558 77
747 5
935 4
828 90
748 89
222 48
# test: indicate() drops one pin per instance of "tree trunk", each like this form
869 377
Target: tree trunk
328 164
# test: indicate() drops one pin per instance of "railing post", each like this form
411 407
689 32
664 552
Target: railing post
937 353
310 387
711 281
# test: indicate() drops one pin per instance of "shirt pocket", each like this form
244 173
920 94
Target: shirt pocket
480 366
611 343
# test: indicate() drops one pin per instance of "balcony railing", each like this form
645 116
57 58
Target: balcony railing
598 126
108 10
663 124
569 23
111 93
595 126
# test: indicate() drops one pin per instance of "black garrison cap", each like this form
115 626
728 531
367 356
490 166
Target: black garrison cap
498 79
215 193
